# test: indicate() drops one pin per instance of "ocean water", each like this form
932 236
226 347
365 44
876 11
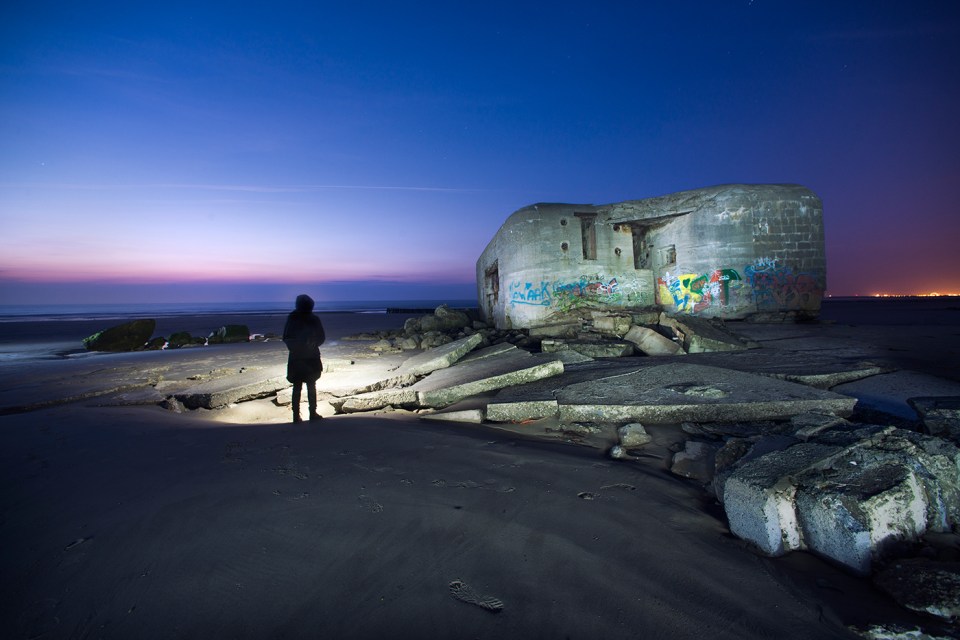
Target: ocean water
46 332
78 312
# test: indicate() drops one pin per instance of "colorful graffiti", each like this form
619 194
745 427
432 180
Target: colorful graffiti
565 295
692 292
778 287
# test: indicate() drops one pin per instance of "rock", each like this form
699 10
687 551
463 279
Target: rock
451 318
923 585
179 339
410 343
652 343
229 334
435 339
411 325
695 461
381 346
619 453
156 344
633 435
124 337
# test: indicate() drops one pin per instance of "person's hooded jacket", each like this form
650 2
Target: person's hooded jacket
303 334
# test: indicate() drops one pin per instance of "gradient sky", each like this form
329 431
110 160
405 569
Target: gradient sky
368 150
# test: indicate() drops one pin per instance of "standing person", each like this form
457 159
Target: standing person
303 334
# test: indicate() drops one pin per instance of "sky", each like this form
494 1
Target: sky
245 151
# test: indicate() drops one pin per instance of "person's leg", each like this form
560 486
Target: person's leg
297 389
312 400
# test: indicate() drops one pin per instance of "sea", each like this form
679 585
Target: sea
31 332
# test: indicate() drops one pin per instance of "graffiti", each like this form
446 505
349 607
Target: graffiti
692 292
538 295
780 288
587 291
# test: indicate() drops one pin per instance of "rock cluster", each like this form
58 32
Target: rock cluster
135 336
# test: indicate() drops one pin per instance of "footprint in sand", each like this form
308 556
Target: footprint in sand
465 593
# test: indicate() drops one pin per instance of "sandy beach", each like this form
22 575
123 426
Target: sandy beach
138 522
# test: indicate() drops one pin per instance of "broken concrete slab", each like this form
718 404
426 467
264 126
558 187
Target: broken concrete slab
447 386
673 393
652 343
373 400
700 335
589 348
489 352
440 357
940 415
249 385
521 411
889 393
695 462
927 586
475 416
633 435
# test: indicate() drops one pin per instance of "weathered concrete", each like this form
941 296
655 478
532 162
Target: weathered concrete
446 386
890 393
652 343
696 461
248 385
705 252
521 411
675 393
440 357
589 348
851 513
700 335
633 435
924 585
759 497
374 400
848 496
940 415
474 416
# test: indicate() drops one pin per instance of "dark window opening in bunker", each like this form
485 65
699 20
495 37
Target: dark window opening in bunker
641 249
588 235
491 285
669 254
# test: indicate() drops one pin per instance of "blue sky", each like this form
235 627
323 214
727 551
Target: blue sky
224 151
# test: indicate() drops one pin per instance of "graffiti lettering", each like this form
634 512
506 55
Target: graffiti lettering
780 288
692 292
530 294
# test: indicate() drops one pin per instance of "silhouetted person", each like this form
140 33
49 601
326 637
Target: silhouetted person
303 335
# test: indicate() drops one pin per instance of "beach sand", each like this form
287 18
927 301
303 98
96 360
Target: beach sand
137 522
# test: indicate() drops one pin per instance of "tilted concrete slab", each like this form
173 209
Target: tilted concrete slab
239 387
440 357
522 411
447 386
672 393
699 335
474 416
890 393
373 400
652 343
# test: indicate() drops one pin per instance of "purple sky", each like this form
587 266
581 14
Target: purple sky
365 150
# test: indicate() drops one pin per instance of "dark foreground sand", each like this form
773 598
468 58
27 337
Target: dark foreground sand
135 522
127 524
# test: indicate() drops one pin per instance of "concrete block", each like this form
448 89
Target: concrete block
591 349
652 343
566 330
611 324
759 497
852 516
248 385
696 461
940 415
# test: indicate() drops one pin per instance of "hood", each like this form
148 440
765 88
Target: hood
304 303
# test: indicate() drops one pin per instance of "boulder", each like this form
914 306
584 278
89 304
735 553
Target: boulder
230 333
179 339
451 318
156 344
128 336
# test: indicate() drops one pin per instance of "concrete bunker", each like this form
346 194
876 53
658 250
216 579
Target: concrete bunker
729 251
